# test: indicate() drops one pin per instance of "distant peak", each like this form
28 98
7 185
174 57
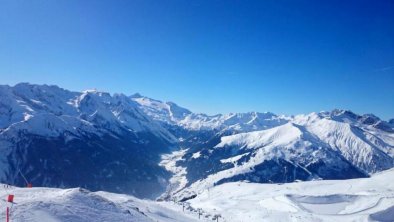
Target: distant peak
90 91
136 95
344 113
25 87
369 119
177 111
370 115
30 85
266 113
23 84
171 103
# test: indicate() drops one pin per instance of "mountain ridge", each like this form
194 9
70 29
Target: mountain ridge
92 139
142 146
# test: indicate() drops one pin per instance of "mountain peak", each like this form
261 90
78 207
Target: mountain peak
136 95
276 136
90 90
344 114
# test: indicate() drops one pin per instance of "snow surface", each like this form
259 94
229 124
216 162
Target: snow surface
233 159
274 137
79 205
367 199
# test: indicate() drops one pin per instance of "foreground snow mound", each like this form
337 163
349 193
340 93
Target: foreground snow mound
80 205
365 199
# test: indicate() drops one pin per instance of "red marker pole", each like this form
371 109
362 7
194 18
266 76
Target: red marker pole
8 214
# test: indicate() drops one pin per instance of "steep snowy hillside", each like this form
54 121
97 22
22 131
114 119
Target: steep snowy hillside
327 145
363 143
167 112
79 205
91 139
367 199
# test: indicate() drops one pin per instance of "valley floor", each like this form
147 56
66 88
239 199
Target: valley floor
369 199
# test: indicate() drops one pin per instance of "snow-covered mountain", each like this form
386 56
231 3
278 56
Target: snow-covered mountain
169 113
365 141
92 139
264 147
141 146
326 145
196 130
25 105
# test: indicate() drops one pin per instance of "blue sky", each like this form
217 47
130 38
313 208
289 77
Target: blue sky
287 57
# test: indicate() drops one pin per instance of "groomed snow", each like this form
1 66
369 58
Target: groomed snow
78 205
368 199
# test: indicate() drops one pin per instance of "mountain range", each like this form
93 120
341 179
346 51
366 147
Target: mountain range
149 148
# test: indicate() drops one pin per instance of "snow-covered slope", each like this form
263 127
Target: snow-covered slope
366 199
361 142
80 205
167 112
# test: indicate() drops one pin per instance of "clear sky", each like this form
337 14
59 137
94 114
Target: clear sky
211 56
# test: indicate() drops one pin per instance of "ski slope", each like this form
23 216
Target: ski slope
80 205
367 199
